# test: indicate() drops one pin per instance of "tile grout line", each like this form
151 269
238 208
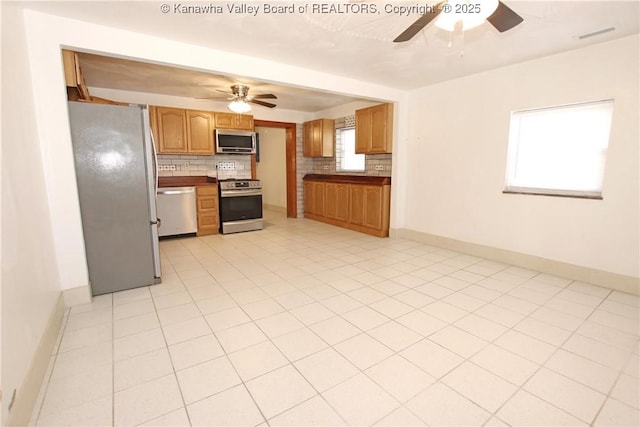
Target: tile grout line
226 355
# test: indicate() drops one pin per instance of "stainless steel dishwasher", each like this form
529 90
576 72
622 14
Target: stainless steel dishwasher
177 211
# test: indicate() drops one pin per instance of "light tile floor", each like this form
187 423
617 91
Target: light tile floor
307 324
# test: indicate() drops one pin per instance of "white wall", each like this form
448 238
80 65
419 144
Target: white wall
458 145
30 285
272 168
46 34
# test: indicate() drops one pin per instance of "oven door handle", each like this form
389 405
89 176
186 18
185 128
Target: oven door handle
240 193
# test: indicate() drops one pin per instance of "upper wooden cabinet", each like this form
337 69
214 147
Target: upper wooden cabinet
374 129
179 131
171 131
234 121
319 138
199 132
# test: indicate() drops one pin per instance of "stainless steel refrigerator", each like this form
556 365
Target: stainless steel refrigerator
115 167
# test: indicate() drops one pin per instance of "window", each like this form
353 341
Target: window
347 159
560 150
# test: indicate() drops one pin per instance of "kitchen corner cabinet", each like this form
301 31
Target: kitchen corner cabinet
179 131
233 121
207 210
374 129
358 203
319 138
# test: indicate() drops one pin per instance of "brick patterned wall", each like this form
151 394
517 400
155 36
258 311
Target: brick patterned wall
329 165
204 165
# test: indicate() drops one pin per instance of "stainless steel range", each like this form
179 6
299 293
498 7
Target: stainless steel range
240 205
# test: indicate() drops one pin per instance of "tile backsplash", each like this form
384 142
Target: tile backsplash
228 165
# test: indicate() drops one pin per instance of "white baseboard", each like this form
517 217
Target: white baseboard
594 276
27 393
77 296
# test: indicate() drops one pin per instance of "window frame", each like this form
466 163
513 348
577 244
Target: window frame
513 146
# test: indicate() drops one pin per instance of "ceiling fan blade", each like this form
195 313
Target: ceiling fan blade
419 24
264 104
265 96
224 91
504 18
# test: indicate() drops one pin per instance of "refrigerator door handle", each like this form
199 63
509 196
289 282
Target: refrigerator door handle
152 185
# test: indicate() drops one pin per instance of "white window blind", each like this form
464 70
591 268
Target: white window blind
347 158
559 150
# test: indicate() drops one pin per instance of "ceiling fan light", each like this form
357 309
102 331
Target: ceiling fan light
239 106
470 13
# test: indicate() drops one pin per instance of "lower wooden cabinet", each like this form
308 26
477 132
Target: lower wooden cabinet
314 198
336 201
207 208
359 207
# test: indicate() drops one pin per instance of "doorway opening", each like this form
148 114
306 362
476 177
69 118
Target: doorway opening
290 162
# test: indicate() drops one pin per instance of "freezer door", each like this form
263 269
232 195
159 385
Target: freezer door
113 188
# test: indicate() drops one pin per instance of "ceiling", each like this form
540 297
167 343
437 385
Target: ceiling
114 73
355 45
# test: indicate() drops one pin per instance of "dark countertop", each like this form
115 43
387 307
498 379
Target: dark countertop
349 179
185 181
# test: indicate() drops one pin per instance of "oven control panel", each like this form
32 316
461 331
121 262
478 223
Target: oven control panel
240 184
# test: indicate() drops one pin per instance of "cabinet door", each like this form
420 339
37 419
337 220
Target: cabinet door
172 130
373 207
363 131
336 203
378 116
356 204
225 120
316 138
307 139
342 202
318 198
308 197
207 209
331 200
200 132
234 121
244 122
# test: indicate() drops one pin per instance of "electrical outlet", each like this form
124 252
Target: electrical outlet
172 167
325 167
185 165
226 166
378 167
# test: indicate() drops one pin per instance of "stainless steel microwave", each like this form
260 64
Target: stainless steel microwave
230 141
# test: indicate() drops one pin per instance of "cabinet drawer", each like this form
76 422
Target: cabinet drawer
207 203
209 190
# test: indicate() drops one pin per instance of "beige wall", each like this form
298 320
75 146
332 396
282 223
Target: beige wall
272 168
458 146
30 286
